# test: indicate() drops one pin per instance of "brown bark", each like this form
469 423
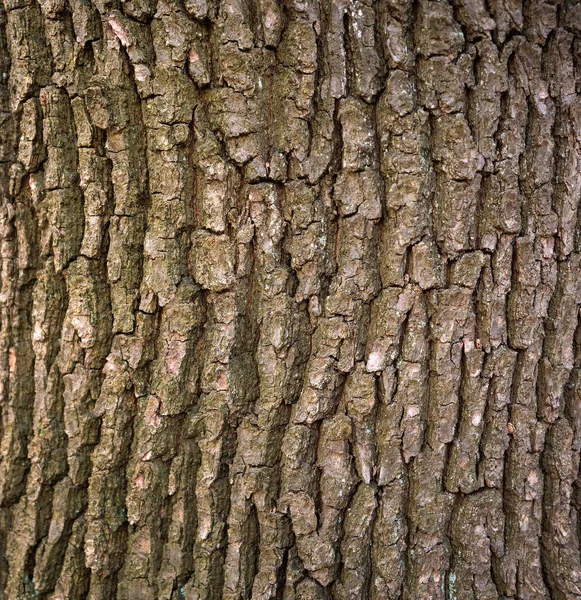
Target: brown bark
289 299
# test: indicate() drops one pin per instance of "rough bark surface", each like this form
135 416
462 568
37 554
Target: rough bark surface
290 299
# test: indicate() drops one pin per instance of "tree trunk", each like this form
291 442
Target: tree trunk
290 299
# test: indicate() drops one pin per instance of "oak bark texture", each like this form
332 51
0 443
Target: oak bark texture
290 299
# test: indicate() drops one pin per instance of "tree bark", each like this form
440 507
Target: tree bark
290 299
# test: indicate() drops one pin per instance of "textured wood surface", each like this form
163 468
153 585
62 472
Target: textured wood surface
290 299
